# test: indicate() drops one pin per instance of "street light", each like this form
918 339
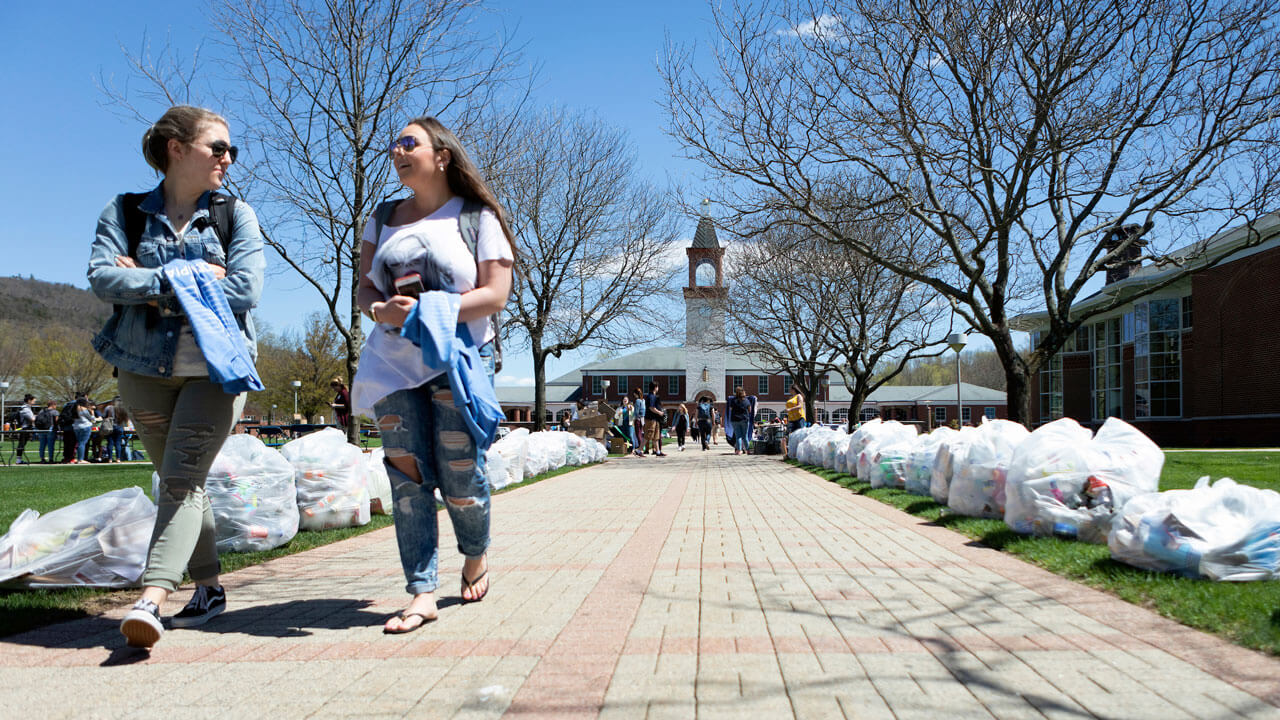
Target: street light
4 387
956 341
297 384
606 384
271 419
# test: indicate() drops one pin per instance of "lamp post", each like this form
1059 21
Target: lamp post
271 418
296 384
956 341
4 388
606 384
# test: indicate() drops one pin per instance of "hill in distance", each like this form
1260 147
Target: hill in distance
42 305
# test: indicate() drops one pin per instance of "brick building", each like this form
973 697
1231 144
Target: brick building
1192 364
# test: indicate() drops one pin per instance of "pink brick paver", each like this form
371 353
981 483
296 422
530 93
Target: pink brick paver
699 585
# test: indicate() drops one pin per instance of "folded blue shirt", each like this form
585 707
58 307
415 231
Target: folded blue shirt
214 325
447 345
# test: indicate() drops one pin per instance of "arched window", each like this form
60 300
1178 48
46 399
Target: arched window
868 413
704 275
841 415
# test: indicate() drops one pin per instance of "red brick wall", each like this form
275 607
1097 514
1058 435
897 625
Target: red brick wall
1231 361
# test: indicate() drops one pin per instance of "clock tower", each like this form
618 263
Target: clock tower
705 300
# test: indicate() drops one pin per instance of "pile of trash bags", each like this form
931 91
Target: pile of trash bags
980 472
255 505
99 542
552 449
1223 531
1064 480
330 474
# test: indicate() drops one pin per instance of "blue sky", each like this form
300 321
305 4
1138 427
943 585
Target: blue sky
69 152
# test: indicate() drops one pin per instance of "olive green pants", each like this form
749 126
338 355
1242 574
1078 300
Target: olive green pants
182 423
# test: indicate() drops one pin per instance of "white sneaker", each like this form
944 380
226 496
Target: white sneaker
141 626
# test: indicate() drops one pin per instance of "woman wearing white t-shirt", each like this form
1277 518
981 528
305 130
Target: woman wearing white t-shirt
424 436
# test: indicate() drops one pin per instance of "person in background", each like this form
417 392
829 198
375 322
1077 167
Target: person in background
625 415
681 425
112 429
795 413
47 429
716 420
341 402
653 421
740 419
637 400
164 356
82 426
706 415
26 426
66 419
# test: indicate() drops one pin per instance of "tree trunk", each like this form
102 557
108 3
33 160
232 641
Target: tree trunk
1018 393
539 387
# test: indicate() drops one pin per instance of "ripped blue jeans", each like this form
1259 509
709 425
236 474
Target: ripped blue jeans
423 423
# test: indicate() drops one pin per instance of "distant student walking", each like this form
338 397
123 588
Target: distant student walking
181 365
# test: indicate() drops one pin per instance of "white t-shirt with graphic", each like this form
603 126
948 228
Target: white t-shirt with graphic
432 247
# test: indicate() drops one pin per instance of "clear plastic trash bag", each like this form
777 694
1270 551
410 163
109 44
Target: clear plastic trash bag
979 475
1224 531
918 471
255 503
378 482
1063 481
98 542
329 473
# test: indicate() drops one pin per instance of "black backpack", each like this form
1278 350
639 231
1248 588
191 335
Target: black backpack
469 228
68 416
221 218
44 420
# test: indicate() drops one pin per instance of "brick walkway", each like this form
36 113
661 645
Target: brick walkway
701 585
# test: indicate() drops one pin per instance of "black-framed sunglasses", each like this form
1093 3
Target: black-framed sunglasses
408 144
219 148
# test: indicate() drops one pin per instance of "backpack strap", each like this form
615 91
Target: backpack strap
222 210
469 228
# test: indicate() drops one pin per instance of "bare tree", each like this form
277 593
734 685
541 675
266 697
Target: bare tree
1022 135
320 88
312 355
814 308
593 239
16 342
63 364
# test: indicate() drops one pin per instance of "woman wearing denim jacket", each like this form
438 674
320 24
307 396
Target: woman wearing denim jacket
424 435
181 416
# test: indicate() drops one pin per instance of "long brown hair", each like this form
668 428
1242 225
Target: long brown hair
462 174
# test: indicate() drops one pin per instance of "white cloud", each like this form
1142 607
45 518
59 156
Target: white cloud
817 27
510 381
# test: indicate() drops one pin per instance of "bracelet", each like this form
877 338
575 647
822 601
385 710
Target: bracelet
373 312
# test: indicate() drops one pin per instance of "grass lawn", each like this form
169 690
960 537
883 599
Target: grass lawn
1247 614
47 488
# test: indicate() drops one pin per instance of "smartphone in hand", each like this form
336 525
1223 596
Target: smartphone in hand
410 285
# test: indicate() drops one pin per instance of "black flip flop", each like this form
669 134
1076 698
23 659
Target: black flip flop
471 585
406 616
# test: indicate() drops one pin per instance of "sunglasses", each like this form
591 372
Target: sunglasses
219 148
407 144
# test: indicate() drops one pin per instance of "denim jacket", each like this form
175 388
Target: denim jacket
130 340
